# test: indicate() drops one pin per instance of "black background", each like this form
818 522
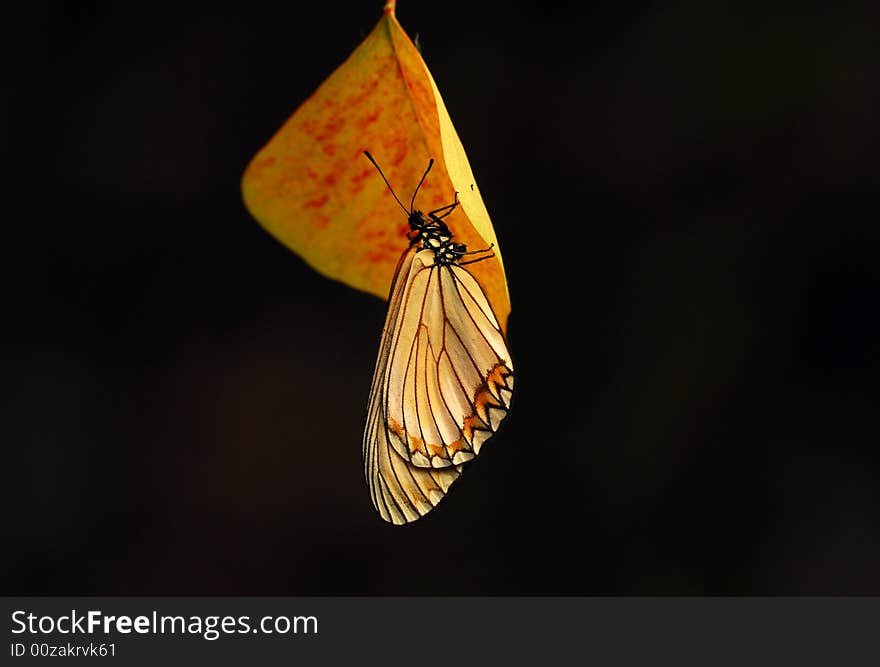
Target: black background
684 196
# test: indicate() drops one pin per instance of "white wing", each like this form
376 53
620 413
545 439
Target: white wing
442 386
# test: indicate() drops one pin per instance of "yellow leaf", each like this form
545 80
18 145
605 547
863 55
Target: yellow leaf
312 188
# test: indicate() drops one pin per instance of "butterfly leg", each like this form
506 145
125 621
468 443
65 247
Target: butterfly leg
474 261
476 252
450 207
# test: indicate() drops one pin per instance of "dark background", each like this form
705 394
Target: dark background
684 193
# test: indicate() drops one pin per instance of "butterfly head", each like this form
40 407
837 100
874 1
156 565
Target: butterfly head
428 230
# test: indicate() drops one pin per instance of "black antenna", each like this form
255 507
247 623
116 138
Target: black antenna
424 176
370 158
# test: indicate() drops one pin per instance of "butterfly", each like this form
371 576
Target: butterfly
444 377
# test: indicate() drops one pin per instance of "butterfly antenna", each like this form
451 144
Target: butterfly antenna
424 176
370 158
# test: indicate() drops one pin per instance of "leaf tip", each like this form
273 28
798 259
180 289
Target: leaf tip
389 8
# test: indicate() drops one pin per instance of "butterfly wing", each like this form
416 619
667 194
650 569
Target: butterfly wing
442 386
401 492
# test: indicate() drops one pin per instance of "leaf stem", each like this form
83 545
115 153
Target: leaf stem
389 8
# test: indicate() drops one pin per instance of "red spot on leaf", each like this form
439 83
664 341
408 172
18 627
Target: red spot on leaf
359 178
364 122
317 202
331 129
309 126
375 257
399 157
